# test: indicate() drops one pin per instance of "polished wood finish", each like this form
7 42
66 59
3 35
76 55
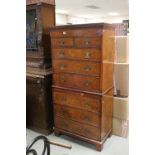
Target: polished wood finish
77 54
78 115
77 100
78 67
77 81
77 128
62 42
68 32
82 61
87 42
76 42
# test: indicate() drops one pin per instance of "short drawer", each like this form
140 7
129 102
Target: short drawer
78 100
73 53
88 32
88 42
79 115
77 81
78 128
62 33
79 67
62 42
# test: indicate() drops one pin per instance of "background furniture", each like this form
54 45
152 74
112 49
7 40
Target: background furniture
40 16
39 112
82 63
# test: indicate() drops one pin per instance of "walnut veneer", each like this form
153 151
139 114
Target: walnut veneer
82 63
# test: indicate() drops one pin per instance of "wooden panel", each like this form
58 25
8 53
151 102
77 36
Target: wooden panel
107 67
62 42
108 46
87 42
79 67
82 80
45 18
107 112
78 115
48 17
107 80
73 53
39 113
77 100
89 32
77 81
78 128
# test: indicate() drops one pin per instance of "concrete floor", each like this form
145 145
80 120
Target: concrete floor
113 146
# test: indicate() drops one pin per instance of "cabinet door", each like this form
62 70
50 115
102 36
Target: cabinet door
31 34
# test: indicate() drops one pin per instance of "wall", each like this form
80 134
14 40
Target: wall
63 19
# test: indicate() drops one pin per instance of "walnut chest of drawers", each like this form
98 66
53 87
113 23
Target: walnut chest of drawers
82 63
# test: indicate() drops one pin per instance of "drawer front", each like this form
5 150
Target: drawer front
77 33
77 81
79 115
77 100
72 53
62 42
62 33
79 67
88 42
78 128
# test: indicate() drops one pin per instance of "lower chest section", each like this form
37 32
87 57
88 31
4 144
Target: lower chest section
79 113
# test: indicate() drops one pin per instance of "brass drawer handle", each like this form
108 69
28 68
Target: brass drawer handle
63 98
87 42
87 131
65 125
87 55
63 79
86 118
62 66
87 83
61 54
87 68
61 42
38 81
86 104
65 113
64 32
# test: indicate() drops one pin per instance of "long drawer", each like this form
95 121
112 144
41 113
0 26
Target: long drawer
77 81
73 53
87 42
77 33
79 67
77 100
78 128
79 115
63 42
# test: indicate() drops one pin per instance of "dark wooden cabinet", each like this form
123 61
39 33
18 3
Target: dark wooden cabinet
40 17
38 103
82 88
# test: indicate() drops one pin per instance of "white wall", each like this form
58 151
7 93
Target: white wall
76 20
62 19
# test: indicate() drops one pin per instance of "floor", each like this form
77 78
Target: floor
113 146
